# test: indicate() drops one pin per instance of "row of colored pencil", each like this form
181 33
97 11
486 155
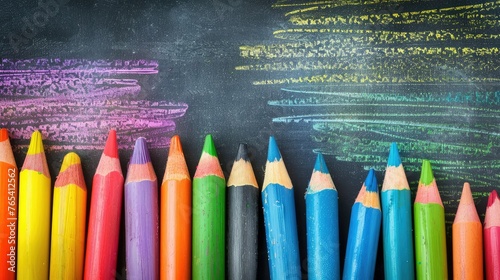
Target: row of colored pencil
184 236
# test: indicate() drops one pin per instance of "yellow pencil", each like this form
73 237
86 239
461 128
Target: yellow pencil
34 214
68 221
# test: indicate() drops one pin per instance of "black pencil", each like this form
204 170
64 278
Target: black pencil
242 219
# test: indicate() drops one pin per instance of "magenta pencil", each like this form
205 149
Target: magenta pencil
141 216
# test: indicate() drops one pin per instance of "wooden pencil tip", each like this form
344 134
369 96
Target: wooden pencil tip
273 152
111 148
493 196
371 181
426 176
69 160
242 153
466 196
141 153
320 164
394 158
36 144
175 145
4 134
209 146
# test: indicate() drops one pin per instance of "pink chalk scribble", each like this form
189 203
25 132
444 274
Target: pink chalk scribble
75 102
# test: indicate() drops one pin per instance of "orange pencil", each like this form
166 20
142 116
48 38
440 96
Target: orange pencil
8 208
467 236
175 231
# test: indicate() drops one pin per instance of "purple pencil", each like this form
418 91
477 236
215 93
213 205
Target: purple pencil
141 216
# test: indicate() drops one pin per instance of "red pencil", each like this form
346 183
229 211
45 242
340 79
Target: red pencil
8 210
104 218
492 237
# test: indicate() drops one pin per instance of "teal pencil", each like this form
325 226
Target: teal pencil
397 221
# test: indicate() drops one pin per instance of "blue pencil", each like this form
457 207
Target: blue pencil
322 223
397 221
364 230
279 218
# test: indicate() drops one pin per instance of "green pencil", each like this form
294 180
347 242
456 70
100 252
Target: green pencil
209 211
430 235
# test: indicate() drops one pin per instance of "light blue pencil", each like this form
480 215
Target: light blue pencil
397 220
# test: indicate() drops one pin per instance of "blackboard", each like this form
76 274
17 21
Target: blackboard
345 78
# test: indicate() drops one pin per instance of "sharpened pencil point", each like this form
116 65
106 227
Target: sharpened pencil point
69 160
394 158
141 153
321 164
371 181
36 144
175 144
209 146
242 153
426 176
111 148
493 196
4 134
273 152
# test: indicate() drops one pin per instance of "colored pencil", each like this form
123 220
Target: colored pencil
69 210
322 223
104 217
242 218
8 208
492 237
397 220
209 213
175 225
34 213
279 218
364 231
430 235
467 233
141 216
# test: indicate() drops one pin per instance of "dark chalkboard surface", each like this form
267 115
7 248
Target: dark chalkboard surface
345 78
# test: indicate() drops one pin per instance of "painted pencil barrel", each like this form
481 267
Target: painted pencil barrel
67 242
176 230
34 226
104 226
141 230
322 235
209 204
242 232
281 232
467 251
8 208
430 242
492 252
397 234
361 253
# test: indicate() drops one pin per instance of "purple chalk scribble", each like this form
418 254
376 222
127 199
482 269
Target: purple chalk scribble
75 102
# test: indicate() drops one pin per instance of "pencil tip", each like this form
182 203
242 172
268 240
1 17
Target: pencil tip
242 153
466 196
426 176
371 181
273 152
320 164
394 158
69 160
493 196
175 145
4 134
209 146
111 147
141 153
36 144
